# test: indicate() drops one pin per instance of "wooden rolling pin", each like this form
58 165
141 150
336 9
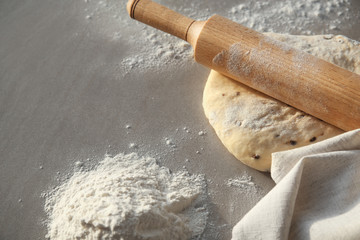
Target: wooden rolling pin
296 78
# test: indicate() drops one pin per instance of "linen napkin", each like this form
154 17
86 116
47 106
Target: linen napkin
317 194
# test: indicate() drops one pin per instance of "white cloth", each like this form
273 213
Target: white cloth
317 194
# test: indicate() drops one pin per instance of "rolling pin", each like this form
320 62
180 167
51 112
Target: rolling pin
296 78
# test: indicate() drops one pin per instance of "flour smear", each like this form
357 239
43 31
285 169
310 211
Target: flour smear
127 197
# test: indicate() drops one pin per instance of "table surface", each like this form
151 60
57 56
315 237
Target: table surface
66 97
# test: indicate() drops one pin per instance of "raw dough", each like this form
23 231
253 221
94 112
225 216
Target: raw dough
252 125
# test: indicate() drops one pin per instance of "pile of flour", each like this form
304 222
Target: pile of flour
127 197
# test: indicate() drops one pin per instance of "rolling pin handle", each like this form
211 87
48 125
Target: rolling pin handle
159 17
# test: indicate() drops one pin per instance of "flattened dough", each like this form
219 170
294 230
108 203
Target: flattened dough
252 125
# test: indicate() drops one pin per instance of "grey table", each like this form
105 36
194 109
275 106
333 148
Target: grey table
63 98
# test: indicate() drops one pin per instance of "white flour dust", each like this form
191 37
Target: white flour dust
149 48
245 183
156 49
127 197
294 17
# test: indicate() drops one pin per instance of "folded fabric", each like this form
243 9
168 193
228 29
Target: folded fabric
317 194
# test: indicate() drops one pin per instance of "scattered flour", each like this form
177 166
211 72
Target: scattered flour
202 133
156 49
244 183
294 17
170 142
127 197
160 49
133 145
186 129
150 48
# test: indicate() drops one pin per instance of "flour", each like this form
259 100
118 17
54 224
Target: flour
127 197
202 133
256 115
156 49
133 145
290 16
245 183
170 142
160 49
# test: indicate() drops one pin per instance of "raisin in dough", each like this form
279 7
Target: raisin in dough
252 125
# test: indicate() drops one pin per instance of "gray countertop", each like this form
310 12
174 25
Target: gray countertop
65 96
